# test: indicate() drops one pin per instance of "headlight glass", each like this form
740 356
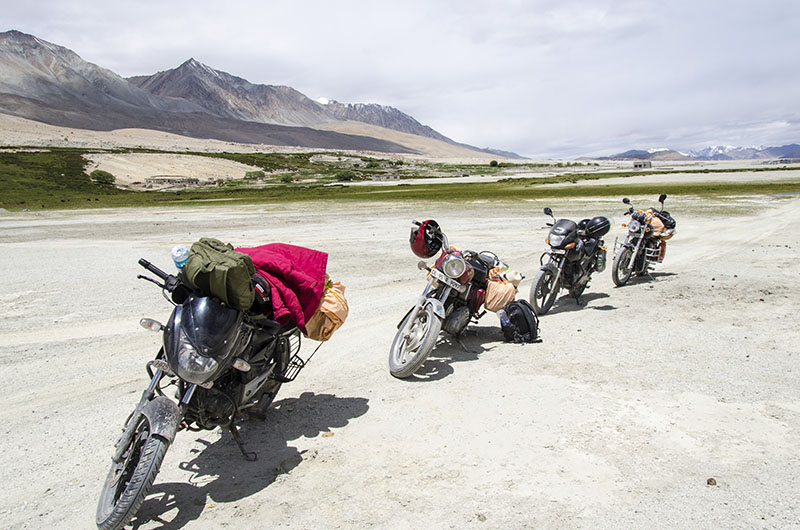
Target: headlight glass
191 366
556 240
634 226
454 266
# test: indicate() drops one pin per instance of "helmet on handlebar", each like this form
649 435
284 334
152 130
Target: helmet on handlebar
425 239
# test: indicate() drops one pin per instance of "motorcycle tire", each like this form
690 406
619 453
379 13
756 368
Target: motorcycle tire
129 482
622 269
543 292
413 342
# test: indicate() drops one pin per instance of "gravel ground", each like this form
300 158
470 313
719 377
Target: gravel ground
620 418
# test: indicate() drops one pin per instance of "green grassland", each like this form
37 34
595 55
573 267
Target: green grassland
55 178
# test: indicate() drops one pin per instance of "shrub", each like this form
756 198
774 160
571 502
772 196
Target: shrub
254 175
102 177
345 175
493 163
286 179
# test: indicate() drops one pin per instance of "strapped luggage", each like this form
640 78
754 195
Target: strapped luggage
520 323
499 291
215 269
331 313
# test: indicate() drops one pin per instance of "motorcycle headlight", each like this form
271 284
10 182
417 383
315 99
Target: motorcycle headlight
555 240
190 366
454 266
634 226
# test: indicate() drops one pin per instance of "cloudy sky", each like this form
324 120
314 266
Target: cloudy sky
543 78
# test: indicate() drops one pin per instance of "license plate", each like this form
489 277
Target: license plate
557 251
442 277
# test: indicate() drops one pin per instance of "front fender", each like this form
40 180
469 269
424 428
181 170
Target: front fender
549 266
436 306
162 414
164 417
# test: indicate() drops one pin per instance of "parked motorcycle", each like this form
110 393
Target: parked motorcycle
644 245
221 364
575 251
452 298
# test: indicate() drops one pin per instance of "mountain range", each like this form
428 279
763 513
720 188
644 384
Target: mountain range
45 82
711 153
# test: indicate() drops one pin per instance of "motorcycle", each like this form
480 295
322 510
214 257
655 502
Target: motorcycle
221 364
453 297
644 245
575 251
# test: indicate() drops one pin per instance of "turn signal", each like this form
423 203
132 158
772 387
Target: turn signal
150 324
571 245
624 225
241 365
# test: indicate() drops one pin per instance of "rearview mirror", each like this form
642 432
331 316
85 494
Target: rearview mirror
626 200
548 211
662 198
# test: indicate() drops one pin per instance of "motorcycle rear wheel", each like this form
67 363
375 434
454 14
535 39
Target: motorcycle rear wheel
413 342
622 269
129 482
543 292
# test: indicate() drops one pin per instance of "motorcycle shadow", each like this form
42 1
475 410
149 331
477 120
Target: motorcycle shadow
644 278
448 351
223 475
566 303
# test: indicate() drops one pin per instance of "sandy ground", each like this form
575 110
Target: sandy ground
616 420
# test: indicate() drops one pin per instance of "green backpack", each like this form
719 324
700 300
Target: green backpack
217 270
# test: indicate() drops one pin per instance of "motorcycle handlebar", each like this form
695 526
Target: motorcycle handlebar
152 268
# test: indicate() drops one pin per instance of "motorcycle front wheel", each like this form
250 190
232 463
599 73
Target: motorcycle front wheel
413 342
543 291
129 481
622 268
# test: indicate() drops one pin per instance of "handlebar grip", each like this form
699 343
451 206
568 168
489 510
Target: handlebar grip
152 268
413 222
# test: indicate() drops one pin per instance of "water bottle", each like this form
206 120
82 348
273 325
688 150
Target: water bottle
504 320
179 255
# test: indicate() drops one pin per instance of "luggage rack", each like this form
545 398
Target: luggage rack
296 363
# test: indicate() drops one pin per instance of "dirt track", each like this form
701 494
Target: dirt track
617 420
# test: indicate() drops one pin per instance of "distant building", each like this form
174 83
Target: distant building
170 179
642 164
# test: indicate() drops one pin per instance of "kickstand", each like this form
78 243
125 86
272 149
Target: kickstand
250 457
461 343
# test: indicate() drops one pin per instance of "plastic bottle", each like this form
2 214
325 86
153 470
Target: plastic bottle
179 255
504 320
600 261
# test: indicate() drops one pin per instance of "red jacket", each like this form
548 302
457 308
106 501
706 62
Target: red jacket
296 276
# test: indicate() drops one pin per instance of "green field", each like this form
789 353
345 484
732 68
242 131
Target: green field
56 179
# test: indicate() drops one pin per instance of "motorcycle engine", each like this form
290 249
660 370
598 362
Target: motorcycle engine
456 321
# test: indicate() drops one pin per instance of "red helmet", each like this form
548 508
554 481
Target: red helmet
425 239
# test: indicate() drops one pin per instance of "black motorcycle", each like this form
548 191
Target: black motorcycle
221 365
644 245
576 251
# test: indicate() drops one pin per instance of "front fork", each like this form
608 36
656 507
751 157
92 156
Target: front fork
559 269
162 413
437 304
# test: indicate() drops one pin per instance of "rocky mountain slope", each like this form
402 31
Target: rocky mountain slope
52 84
